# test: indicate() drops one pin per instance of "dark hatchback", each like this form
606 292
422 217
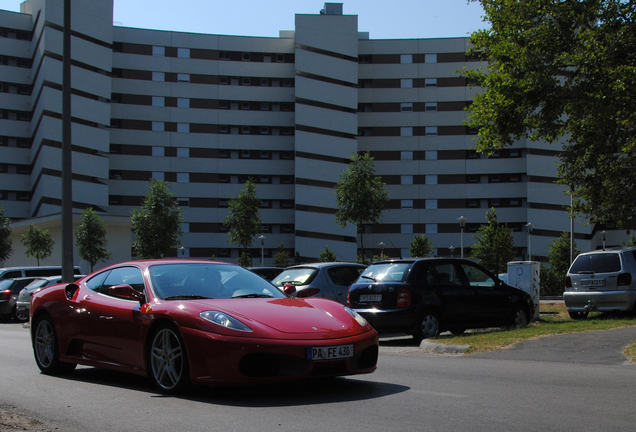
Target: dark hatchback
426 296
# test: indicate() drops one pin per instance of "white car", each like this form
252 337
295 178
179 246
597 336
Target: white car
601 280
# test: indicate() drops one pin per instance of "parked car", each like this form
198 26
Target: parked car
426 296
328 280
267 273
23 303
9 290
179 321
17 272
602 280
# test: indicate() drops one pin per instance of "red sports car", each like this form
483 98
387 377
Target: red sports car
188 321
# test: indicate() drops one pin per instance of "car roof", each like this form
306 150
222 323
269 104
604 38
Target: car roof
319 265
618 249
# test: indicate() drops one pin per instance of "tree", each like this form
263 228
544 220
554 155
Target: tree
243 220
495 244
38 242
281 259
6 248
327 256
564 71
553 275
91 238
421 246
157 224
360 195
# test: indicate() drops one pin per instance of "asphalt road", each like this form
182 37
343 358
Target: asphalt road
562 383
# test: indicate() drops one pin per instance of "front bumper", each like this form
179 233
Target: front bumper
602 301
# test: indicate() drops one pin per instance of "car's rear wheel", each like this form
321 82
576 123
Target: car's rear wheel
168 359
428 326
20 316
45 348
519 318
578 315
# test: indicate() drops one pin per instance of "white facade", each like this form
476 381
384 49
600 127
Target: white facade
207 112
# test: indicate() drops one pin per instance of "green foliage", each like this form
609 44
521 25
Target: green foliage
157 224
243 219
38 242
495 244
553 275
421 246
564 71
631 242
281 259
6 248
91 238
327 256
360 194
245 260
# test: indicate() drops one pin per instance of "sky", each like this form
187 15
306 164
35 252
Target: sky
383 19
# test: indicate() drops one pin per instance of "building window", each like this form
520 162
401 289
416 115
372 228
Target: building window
286 154
158 126
406 131
406 155
407 204
245 105
406 58
473 178
224 55
495 202
264 130
183 202
224 178
406 83
246 56
406 179
364 58
264 179
265 82
224 104
224 129
185 227
473 203
286 106
158 151
430 82
431 130
158 76
430 155
430 58
246 81
224 80
224 153
472 154
183 103
245 129
514 202
158 101
158 175
183 152
286 179
264 106
515 177
280 58
183 52
495 178
183 78
245 154
431 204
287 82
159 51
183 177
287 130
431 179
406 107
515 153
406 229
431 228
264 154
183 127
431 106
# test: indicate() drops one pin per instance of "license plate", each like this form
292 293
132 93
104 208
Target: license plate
329 353
365 298
592 282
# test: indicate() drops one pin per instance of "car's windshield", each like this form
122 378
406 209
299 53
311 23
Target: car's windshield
296 276
37 284
6 284
386 272
201 281
596 263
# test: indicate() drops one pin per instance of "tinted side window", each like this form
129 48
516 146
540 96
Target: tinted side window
43 272
124 275
95 283
343 276
12 274
444 274
597 263
476 277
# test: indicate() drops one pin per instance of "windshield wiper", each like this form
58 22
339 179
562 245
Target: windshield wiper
187 297
369 277
253 295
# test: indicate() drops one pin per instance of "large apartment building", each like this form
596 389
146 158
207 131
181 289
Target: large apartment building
206 112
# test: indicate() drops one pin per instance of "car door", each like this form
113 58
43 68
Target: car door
452 290
488 299
112 325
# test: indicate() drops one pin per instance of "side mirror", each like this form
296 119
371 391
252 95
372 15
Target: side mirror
289 289
126 292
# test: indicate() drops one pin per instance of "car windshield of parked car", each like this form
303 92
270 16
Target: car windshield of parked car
208 281
387 272
6 284
37 284
596 263
296 276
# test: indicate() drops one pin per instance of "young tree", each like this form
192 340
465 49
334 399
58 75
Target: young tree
327 256
91 238
6 248
360 195
553 275
38 242
564 71
157 224
243 220
421 246
495 244
281 259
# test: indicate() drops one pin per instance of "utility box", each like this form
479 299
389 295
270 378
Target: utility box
526 275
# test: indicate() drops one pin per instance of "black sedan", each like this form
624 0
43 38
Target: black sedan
426 296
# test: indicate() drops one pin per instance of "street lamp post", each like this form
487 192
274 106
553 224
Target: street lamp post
182 249
262 237
530 226
381 244
603 232
451 249
462 223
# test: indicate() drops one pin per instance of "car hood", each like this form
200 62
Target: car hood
293 315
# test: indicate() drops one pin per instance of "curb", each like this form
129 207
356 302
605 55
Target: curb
443 348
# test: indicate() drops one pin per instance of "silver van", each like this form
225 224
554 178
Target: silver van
601 280
17 272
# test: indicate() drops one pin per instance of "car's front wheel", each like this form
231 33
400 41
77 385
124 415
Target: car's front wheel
168 360
45 348
428 326
20 315
519 318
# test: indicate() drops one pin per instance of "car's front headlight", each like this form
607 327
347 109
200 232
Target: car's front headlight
356 316
224 320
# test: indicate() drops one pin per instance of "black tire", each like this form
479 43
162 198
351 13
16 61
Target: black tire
578 315
46 349
19 316
167 360
428 326
519 318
